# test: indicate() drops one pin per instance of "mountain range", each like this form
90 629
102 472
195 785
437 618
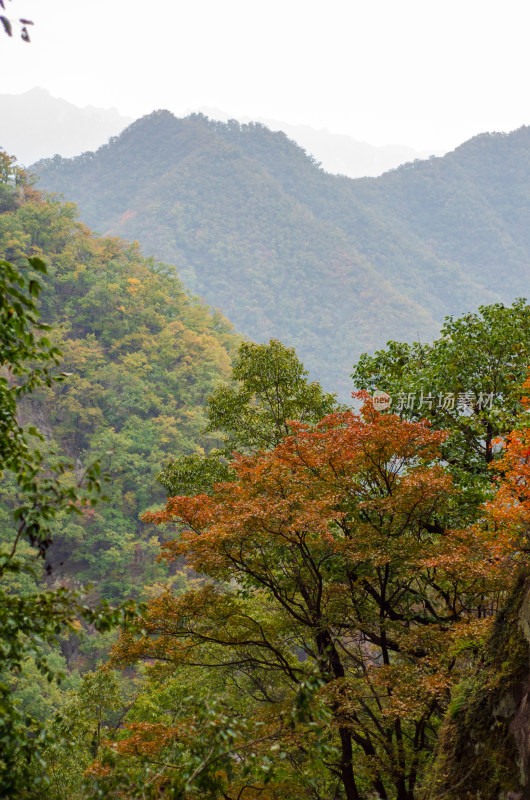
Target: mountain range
62 126
69 130
331 265
337 153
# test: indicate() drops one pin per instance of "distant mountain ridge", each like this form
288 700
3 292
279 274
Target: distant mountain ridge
344 155
62 126
331 265
338 153
69 130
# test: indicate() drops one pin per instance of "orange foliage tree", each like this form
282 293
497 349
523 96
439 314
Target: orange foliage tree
327 556
510 510
483 745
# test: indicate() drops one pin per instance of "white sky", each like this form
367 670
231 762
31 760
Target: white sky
420 72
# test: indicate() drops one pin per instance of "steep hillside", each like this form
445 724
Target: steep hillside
143 358
331 265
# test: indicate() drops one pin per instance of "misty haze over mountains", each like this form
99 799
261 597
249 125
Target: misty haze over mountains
35 125
67 130
338 154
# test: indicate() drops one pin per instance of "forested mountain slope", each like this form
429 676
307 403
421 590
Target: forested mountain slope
331 265
143 358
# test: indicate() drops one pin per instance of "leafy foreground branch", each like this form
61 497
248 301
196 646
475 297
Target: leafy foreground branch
31 621
208 750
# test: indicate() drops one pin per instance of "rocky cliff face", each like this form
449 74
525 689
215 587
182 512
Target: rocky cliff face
484 749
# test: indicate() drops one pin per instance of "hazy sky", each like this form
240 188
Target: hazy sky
420 72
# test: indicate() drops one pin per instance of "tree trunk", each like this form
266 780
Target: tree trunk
346 765
327 650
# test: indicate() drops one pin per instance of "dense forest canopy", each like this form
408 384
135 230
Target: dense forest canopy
334 602
142 357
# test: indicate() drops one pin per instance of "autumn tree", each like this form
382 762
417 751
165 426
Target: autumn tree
326 555
467 382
